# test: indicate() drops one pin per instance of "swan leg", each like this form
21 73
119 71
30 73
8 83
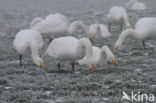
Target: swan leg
144 44
73 66
59 66
109 27
20 58
121 27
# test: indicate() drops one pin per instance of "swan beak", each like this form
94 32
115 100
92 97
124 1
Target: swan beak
116 50
113 61
93 68
41 64
92 37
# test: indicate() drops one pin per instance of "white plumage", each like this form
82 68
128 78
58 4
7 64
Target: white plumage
99 31
55 25
118 15
29 39
145 29
135 5
100 56
70 49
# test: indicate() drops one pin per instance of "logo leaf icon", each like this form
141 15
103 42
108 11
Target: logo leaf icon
125 96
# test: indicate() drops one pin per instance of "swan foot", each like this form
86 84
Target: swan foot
20 58
143 43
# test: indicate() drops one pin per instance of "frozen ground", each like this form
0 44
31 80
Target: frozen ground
136 67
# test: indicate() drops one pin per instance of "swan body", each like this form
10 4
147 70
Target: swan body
56 25
145 29
70 49
100 56
57 16
118 15
98 30
26 39
135 5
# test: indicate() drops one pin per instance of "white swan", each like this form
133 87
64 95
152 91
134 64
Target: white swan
99 31
70 49
26 39
100 56
135 5
118 15
55 25
145 29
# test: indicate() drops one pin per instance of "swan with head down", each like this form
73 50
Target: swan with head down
100 56
118 15
71 49
29 39
55 25
145 29
135 5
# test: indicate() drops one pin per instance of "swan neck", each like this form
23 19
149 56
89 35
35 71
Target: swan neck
124 34
74 25
35 21
126 21
34 51
86 44
102 58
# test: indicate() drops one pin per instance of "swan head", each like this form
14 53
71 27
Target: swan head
92 37
94 29
38 61
109 55
117 46
111 58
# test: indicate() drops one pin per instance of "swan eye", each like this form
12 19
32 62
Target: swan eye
92 37
113 61
116 50
41 64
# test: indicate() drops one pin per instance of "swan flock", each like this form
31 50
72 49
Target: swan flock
66 46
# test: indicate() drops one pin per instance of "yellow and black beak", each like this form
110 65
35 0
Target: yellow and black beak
113 61
41 64
92 37
93 68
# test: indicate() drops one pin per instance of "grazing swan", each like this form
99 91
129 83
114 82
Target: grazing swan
98 30
70 49
145 29
135 5
56 25
100 56
118 15
26 39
